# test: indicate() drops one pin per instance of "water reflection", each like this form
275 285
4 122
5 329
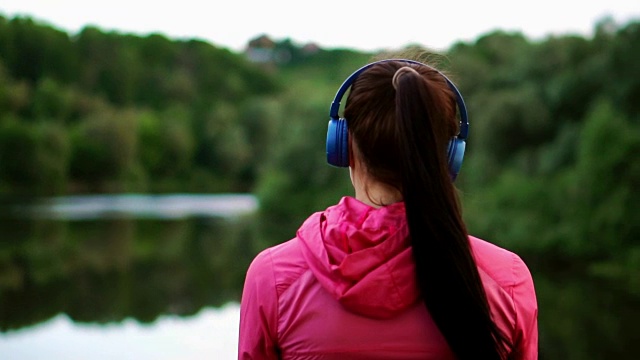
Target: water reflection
108 270
119 270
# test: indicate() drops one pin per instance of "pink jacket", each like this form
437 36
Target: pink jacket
344 288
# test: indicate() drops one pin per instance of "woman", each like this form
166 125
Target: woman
391 273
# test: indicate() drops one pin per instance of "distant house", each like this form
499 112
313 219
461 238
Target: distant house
264 50
261 50
310 49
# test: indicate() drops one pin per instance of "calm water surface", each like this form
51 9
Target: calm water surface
143 277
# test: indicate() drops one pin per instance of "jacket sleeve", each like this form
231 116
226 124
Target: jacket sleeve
526 306
258 311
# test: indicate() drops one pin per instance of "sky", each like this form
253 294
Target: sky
360 25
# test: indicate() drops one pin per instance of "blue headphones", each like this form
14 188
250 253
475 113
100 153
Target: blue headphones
337 134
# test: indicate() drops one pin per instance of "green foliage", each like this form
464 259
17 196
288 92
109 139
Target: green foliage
588 210
50 100
104 148
166 146
136 113
607 176
585 318
550 168
33 157
296 180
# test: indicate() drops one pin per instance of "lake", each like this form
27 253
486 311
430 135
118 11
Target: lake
160 277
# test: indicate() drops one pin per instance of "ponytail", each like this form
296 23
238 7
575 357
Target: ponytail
447 274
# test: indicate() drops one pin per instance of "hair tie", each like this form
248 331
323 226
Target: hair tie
402 70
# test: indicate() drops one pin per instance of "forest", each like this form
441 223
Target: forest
550 167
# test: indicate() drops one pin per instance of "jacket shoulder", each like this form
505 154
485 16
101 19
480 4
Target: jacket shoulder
285 261
505 267
512 275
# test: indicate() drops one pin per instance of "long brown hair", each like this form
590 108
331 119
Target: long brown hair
401 131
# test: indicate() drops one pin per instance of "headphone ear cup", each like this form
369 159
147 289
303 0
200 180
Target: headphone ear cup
455 155
338 143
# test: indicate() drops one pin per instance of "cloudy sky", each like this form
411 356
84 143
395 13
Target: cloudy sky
362 25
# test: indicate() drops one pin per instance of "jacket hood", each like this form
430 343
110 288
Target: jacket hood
362 256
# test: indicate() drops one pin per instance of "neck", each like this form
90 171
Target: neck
374 193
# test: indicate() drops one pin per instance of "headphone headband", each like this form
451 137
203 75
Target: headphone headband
335 104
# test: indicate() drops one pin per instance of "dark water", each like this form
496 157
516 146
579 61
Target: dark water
108 262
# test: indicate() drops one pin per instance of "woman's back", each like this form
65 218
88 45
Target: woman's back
345 288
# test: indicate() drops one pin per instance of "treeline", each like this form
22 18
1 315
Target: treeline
108 112
554 164
551 165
